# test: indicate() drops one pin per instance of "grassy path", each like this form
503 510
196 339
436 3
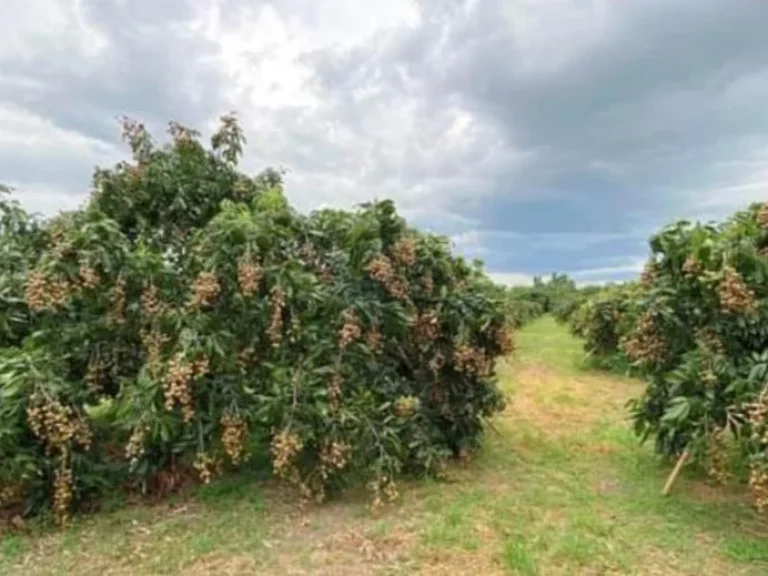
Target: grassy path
561 488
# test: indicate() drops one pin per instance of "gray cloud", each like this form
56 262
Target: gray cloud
553 135
657 91
103 59
151 65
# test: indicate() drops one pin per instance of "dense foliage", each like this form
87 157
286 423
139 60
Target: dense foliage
696 326
552 293
187 318
520 307
601 320
557 295
571 302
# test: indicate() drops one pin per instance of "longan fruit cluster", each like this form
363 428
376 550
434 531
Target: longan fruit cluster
334 456
93 375
246 357
463 355
177 387
88 276
201 366
45 293
132 130
426 327
735 296
406 406
482 363
404 252
324 273
36 291
207 467
398 289
10 494
757 415
285 446
135 447
351 330
505 340
58 232
56 424
334 391
205 289
383 489
275 330
758 485
308 253
151 306
708 377
248 277
153 341
650 273
471 360
691 267
762 216
428 284
63 482
644 345
709 339
233 431
60 244
180 134
717 455
60 290
116 314
294 330
374 340
380 269
437 362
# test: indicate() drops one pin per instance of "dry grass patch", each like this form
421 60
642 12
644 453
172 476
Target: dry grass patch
538 400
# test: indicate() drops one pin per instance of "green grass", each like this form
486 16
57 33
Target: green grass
11 547
545 342
517 557
561 487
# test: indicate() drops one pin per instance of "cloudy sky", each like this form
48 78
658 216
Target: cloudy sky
540 135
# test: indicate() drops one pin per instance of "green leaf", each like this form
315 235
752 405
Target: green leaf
677 410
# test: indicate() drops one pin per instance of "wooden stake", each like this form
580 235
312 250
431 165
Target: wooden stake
675 472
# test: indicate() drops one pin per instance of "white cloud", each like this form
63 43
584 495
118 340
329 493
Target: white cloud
48 168
631 267
45 201
19 128
516 240
360 136
511 278
550 35
29 26
728 198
